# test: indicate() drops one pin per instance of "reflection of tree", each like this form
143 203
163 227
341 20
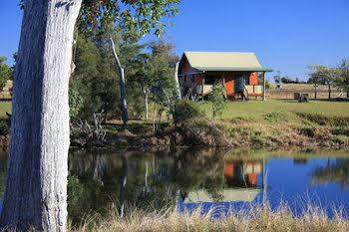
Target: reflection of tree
3 169
193 170
153 181
337 171
123 185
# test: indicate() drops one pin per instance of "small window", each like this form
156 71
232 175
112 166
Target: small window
192 78
209 80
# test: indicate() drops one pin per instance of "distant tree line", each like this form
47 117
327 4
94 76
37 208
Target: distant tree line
336 76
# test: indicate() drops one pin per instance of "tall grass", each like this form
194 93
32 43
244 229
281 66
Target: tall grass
259 218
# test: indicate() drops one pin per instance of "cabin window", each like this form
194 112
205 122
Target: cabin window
192 78
209 80
246 79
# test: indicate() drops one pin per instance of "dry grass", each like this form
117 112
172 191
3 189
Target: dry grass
258 219
287 91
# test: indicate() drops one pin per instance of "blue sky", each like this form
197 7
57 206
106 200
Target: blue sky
286 35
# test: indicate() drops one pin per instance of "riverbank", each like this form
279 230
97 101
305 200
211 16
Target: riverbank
258 219
269 125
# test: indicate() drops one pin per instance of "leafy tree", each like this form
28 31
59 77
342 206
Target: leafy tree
343 79
324 75
5 73
40 120
216 97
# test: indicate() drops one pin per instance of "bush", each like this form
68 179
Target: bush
217 99
76 102
186 110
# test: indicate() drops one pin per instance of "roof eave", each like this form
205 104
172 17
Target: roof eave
230 69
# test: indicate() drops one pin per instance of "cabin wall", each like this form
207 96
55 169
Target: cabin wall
189 78
231 83
192 81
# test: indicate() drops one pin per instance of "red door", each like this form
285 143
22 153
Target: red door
229 86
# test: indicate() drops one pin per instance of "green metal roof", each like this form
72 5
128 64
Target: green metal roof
225 61
228 195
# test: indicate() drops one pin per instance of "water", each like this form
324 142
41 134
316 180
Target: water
189 179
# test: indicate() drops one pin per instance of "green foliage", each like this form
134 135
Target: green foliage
76 102
186 110
322 74
5 73
217 98
75 193
137 18
268 85
93 86
343 80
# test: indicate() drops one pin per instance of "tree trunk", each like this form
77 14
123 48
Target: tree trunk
36 189
145 92
178 88
329 91
122 85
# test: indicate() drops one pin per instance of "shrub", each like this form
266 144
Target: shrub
76 102
186 110
217 99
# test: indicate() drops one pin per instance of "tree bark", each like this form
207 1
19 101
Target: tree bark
145 92
178 88
329 91
122 85
36 189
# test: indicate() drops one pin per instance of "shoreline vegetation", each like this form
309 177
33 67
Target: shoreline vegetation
259 218
270 125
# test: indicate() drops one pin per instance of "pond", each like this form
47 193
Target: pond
188 179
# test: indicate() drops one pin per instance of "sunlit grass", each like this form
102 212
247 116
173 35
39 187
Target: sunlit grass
259 218
259 110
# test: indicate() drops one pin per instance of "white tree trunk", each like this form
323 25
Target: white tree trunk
145 92
121 72
179 94
36 189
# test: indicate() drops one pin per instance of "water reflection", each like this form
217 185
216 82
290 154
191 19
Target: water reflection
335 171
188 179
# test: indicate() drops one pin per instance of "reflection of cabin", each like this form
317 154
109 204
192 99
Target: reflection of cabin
241 73
242 174
241 180
228 195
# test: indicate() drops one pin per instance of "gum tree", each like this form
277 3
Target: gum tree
36 187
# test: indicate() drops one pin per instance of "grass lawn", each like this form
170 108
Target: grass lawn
258 110
4 107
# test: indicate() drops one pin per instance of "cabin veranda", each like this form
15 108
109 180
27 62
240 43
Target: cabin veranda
240 72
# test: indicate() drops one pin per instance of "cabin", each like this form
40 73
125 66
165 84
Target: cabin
240 72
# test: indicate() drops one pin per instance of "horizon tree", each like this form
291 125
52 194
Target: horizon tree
325 75
36 188
343 79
